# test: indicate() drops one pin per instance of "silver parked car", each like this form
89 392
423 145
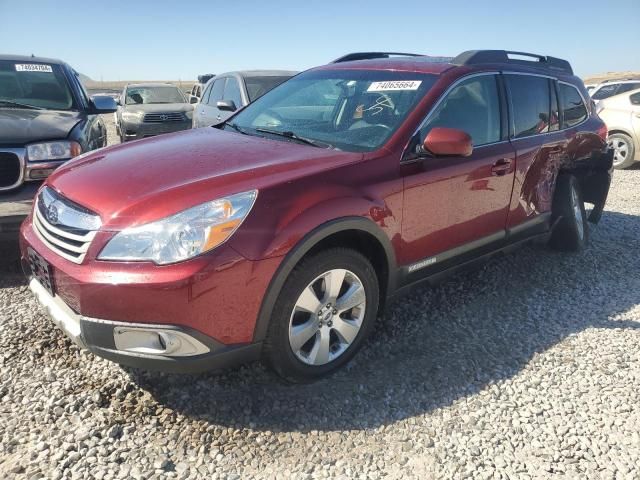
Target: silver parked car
149 109
226 93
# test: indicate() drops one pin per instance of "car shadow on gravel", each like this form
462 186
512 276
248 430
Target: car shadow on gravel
435 346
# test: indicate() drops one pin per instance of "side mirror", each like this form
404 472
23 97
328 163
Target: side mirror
441 141
103 104
226 105
193 99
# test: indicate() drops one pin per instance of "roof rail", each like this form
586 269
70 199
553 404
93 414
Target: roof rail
475 57
371 55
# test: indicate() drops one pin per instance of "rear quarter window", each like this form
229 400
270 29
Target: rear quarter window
574 111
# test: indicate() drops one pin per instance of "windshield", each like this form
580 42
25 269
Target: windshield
147 95
353 110
38 85
258 86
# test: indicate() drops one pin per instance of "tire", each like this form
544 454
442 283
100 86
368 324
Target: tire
571 232
624 150
334 336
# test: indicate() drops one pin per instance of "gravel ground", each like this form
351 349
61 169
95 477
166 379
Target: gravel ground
528 368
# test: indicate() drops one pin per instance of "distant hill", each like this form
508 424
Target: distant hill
601 77
93 86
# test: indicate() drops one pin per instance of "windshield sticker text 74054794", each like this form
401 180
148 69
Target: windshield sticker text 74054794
33 67
394 85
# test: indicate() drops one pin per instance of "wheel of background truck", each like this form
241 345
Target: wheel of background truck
571 232
326 309
623 150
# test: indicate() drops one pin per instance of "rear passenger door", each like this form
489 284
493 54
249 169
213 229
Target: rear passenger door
456 205
540 147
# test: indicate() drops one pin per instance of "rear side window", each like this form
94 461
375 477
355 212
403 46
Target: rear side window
627 87
573 108
530 99
474 107
216 91
605 92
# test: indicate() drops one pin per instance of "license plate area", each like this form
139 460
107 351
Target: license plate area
41 270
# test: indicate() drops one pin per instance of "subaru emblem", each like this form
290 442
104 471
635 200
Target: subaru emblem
52 213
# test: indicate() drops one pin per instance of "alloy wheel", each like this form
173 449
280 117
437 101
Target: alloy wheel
620 150
327 317
577 211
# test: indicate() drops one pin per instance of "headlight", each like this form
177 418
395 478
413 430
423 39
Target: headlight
132 116
62 150
183 235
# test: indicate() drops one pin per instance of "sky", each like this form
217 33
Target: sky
173 40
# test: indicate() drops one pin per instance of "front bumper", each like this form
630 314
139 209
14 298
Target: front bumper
167 348
135 131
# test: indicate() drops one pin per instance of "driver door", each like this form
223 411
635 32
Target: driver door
457 204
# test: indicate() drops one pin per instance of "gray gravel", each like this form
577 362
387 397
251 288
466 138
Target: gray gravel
528 368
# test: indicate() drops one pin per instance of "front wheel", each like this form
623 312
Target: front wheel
323 314
571 232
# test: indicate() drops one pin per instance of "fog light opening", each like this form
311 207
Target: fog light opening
152 341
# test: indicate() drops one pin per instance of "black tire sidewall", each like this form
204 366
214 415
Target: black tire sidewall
565 236
278 353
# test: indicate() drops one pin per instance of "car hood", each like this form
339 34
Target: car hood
19 126
145 180
159 107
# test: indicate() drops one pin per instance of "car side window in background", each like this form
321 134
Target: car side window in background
205 94
605 92
627 87
573 108
635 99
530 98
474 107
554 121
232 92
216 91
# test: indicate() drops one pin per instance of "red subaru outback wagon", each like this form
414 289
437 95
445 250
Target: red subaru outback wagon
281 233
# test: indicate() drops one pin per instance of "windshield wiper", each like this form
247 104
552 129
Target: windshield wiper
20 105
235 127
293 136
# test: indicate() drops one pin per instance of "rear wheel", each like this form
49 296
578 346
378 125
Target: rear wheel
623 150
571 233
325 310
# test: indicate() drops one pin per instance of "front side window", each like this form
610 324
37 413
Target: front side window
474 107
530 100
351 110
573 108
627 87
216 92
149 95
34 85
232 92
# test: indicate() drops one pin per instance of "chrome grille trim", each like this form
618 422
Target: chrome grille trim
164 117
72 246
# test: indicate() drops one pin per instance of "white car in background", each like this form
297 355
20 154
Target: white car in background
227 92
611 88
621 113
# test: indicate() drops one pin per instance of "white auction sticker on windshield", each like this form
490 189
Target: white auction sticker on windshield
394 85
33 67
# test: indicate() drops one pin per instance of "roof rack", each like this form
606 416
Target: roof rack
371 55
475 57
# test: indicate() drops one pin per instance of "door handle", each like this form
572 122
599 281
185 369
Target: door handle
501 167
219 117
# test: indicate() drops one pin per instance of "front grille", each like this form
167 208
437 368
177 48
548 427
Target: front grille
66 228
164 117
9 169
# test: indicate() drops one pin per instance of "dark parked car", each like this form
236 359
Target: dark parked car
46 118
149 109
282 233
